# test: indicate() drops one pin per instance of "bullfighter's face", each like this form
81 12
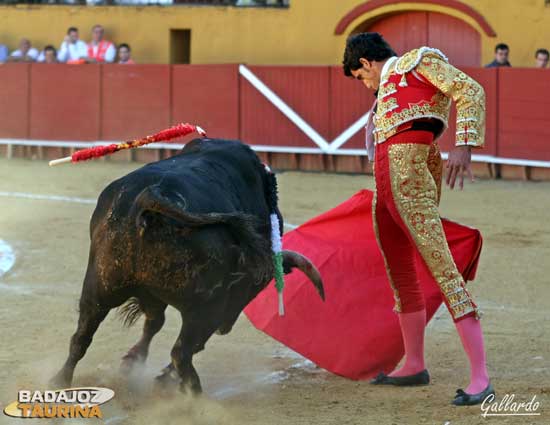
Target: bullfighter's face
368 74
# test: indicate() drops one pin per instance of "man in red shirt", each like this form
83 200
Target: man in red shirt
99 50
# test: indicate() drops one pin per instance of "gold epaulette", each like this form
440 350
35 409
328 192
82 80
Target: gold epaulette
411 59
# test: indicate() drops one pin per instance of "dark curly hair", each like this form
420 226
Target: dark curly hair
542 52
368 45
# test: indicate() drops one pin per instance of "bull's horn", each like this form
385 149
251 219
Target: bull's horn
294 259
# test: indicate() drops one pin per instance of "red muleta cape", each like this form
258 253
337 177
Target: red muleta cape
355 333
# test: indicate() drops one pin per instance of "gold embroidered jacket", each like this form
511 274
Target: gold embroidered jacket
421 84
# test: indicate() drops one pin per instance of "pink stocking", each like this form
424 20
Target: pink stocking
412 329
471 335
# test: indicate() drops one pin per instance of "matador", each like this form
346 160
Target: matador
413 99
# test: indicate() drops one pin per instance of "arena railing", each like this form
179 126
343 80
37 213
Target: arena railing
298 117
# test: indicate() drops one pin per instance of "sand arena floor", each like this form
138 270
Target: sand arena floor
249 378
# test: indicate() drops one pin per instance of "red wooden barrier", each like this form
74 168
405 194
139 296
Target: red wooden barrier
14 101
488 79
110 102
349 101
135 100
64 102
207 95
304 89
523 114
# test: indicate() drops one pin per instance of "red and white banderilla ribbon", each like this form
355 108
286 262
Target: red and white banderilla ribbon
174 132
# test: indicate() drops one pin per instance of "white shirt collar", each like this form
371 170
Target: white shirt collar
386 67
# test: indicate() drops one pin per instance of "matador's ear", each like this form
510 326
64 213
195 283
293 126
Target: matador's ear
366 63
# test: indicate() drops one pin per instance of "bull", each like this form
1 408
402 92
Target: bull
192 231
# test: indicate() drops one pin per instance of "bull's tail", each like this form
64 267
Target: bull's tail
130 311
242 226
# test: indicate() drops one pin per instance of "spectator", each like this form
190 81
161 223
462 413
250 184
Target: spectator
100 50
3 53
25 53
124 54
501 56
48 55
72 49
541 58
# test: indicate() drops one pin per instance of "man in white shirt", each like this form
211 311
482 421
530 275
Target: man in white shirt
100 50
25 53
3 53
72 49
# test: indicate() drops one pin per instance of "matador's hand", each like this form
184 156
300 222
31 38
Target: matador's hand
458 163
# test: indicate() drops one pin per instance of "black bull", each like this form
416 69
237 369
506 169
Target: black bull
191 231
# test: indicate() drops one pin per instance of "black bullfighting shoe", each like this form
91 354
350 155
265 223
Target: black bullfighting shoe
464 399
420 378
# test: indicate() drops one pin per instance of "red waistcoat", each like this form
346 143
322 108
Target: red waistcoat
101 50
406 96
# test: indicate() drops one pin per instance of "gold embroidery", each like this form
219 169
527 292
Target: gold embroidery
438 107
464 138
386 90
411 59
466 92
397 306
415 194
452 83
435 165
387 105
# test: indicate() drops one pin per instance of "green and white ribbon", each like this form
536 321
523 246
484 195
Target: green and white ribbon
277 248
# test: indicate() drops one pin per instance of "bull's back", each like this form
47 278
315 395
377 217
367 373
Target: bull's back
215 175
208 176
212 175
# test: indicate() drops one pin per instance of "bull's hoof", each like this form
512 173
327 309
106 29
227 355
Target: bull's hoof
224 330
60 380
168 380
191 387
130 362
